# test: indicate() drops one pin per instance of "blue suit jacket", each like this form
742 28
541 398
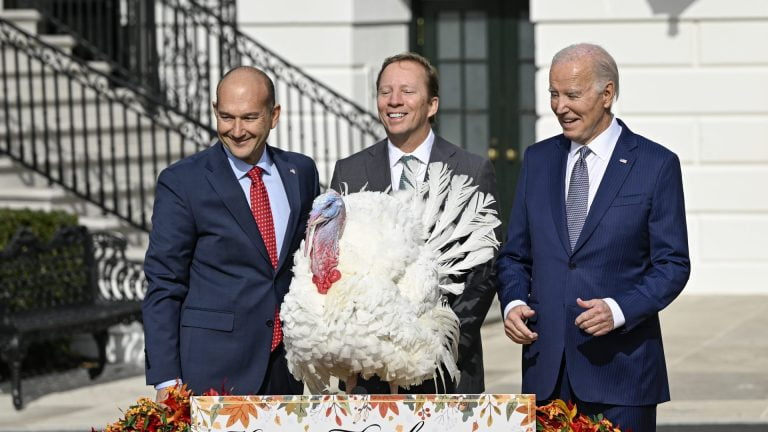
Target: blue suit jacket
633 248
212 290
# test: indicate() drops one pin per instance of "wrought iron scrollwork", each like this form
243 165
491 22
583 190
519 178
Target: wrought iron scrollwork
118 278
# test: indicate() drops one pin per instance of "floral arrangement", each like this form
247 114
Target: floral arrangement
170 415
559 416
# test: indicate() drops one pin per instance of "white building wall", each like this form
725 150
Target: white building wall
694 77
339 42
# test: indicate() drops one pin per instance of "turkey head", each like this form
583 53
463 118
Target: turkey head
324 228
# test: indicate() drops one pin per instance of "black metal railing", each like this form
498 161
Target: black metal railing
86 130
197 46
195 42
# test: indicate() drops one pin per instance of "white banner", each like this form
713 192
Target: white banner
364 413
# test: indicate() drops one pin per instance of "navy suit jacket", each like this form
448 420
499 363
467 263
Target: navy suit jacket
633 248
212 290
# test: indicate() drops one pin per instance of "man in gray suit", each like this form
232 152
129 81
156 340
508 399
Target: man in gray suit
407 98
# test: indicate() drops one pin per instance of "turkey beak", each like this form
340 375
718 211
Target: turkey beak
314 220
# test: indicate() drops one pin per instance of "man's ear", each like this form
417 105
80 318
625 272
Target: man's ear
215 109
434 104
275 115
609 92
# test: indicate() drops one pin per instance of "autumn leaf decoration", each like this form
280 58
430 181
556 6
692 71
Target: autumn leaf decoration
170 415
559 416
238 409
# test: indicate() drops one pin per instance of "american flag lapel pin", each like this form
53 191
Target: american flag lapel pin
293 171
623 161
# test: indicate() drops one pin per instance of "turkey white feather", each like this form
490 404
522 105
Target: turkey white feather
367 296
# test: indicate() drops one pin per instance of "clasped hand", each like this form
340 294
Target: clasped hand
596 320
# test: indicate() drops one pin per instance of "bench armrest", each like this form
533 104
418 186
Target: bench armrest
118 278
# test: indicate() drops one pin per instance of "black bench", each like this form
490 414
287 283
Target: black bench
48 291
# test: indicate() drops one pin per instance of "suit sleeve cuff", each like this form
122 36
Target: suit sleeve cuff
509 307
166 384
618 315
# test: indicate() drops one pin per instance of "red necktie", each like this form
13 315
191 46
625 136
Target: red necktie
262 213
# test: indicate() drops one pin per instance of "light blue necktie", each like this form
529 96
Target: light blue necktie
578 196
410 165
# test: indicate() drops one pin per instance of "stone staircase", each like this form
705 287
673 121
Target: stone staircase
80 143
72 140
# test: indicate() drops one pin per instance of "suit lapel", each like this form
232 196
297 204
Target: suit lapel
619 166
557 191
223 181
290 178
377 167
442 151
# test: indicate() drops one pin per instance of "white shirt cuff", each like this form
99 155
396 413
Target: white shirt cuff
165 384
509 307
618 315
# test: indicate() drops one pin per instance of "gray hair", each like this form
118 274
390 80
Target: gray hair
603 65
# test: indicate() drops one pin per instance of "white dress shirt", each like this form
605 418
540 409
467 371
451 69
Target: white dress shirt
597 161
421 153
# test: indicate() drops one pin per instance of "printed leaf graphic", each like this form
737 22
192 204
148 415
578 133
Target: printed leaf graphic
511 409
239 412
475 426
277 420
490 420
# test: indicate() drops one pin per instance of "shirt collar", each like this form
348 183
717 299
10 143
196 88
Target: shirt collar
241 168
602 146
421 153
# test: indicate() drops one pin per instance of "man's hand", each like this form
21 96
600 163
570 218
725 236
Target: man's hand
597 320
515 327
162 394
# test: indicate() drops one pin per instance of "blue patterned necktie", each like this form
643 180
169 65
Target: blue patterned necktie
410 168
578 196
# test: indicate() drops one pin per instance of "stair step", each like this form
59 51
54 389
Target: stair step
26 19
30 193
63 42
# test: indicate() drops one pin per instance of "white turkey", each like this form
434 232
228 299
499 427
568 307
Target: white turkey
369 279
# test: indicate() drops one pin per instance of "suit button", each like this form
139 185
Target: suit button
270 323
571 265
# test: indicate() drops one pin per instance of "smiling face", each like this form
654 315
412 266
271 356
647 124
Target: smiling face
581 104
405 105
244 114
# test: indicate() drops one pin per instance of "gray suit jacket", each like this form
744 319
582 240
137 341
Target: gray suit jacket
370 168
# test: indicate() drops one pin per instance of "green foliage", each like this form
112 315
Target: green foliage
57 276
43 224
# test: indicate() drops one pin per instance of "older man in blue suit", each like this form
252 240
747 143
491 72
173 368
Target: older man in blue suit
597 246
226 224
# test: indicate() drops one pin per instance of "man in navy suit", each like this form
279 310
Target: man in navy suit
597 246
226 223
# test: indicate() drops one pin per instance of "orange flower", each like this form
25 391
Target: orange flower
559 416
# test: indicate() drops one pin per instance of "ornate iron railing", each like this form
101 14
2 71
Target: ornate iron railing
85 129
183 47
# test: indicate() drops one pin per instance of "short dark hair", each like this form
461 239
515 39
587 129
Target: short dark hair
260 73
433 85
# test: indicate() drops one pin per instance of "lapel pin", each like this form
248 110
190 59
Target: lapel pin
293 171
623 161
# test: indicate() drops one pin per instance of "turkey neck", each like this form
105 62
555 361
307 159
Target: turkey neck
325 252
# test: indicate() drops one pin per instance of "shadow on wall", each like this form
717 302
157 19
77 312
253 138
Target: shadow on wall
673 8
